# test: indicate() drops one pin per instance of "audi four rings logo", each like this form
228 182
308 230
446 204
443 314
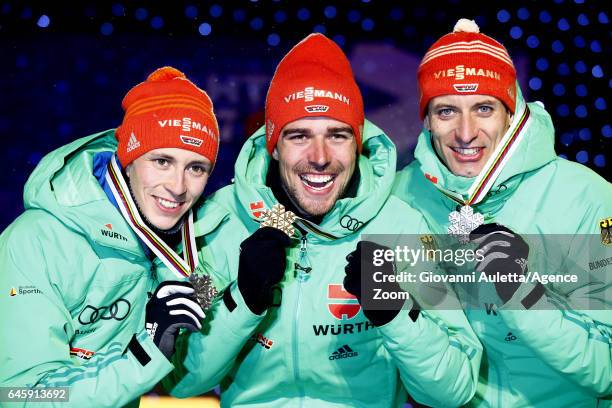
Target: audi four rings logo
118 311
350 223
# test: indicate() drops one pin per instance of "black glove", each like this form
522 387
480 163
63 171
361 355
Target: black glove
353 283
261 266
504 251
172 307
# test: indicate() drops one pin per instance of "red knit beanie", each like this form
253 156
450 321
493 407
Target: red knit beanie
467 62
314 79
167 110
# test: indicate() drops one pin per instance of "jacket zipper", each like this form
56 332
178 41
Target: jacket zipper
296 365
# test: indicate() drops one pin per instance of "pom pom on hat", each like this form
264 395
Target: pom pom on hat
165 74
466 26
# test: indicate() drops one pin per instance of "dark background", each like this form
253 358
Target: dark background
65 66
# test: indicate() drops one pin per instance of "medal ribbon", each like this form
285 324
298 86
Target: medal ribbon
314 228
181 267
496 162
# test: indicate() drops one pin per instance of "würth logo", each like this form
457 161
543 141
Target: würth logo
309 93
316 108
108 232
192 141
464 88
341 304
343 352
256 208
133 143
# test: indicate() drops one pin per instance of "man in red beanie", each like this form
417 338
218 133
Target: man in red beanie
290 329
102 214
485 171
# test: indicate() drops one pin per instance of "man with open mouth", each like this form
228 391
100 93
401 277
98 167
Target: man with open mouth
486 172
286 331
103 214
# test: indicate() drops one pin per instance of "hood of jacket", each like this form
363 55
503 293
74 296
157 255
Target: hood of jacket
63 185
534 149
376 166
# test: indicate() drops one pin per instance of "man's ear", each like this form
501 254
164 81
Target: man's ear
426 123
128 170
275 154
510 117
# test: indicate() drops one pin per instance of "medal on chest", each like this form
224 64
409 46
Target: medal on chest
465 219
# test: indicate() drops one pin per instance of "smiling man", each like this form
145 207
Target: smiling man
102 214
286 331
485 170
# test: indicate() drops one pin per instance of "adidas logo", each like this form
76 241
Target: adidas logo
133 143
510 337
343 352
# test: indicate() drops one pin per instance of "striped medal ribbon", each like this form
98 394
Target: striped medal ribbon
464 221
182 268
280 218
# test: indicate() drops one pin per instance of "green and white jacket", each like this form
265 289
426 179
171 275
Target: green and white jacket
558 353
73 281
315 347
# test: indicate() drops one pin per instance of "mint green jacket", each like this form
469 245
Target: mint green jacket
560 356
315 347
80 280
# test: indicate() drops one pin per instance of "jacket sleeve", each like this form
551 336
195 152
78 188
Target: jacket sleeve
438 356
202 359
435 349
569 326
35 346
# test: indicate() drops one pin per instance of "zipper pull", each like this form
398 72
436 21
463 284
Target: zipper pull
302 269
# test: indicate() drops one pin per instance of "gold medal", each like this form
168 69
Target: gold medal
278 218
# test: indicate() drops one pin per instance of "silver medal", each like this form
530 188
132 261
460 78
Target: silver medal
463 222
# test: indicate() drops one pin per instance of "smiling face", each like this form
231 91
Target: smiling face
166 183
317 157
466 129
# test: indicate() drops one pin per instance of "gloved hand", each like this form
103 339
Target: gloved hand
170 308
504 251
261 266
353 283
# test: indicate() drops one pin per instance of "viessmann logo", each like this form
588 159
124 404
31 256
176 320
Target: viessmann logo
461 71
187 124
309 93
